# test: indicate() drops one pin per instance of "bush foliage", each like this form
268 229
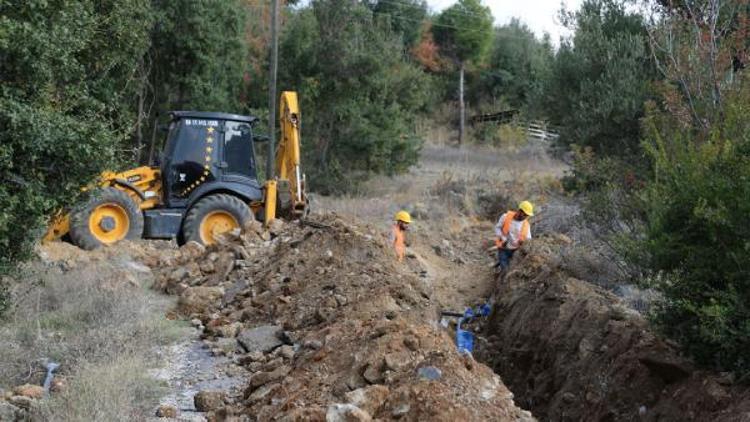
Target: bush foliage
66 70
359 94
698 235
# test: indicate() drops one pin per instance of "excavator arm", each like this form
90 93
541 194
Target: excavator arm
285 192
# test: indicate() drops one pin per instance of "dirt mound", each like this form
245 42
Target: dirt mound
572 351
330 327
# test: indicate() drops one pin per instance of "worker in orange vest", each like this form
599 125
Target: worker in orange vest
398 233
511 231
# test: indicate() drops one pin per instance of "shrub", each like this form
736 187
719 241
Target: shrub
697 234
66 70
359 94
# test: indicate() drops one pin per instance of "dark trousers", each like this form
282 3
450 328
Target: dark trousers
503 257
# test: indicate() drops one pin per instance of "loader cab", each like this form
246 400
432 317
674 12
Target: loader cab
208 152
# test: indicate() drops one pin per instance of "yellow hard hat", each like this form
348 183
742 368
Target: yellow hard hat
403 216
526 207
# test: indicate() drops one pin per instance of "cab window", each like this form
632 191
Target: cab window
238 149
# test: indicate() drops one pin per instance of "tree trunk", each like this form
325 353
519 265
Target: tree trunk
461 107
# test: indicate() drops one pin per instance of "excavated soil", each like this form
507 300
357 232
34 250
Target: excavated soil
571 351
353 335
322 324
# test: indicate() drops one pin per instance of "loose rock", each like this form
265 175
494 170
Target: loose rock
369 399
346 413
206 401
166 411
264 338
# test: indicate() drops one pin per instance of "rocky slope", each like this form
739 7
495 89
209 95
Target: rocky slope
330 328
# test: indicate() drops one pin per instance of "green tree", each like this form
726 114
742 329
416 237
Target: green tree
404 16
464 33
197 57
67 71
359 94
601 78
518 66
698 226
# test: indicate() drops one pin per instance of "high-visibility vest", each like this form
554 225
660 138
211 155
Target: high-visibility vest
525 227
399 243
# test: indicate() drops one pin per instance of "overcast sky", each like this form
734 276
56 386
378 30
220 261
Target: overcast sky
539 15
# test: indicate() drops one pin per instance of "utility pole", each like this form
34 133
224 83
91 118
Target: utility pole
461 107
272 88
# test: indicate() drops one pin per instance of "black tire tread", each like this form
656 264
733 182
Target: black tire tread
220 201
79 218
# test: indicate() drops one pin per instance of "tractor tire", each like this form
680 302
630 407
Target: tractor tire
213 215
110 215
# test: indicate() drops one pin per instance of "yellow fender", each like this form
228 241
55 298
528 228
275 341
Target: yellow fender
143 184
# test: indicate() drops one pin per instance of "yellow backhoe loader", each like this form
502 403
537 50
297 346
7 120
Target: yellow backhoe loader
206 184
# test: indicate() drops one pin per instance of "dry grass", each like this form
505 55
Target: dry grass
448 180
481 183
100 325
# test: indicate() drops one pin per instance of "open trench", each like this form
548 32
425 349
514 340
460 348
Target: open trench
571 351
566 349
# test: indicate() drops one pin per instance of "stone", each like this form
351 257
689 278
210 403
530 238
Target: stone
263 378
323 314
304 414
313 344
253 226
330 302
227 345
273 364
29 390
568 397
229 330
192 250
232 292
196 300
207 267
178 274
286 351
206 401
166 411
412 343
256 356
195 322
264 338
262 392
369 399
276 226
429 373
400 410
397 361
372 374
346 413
